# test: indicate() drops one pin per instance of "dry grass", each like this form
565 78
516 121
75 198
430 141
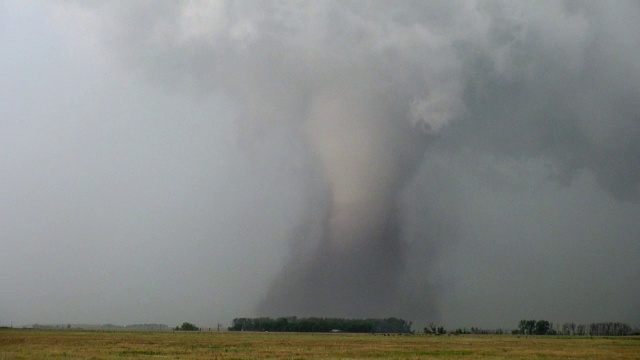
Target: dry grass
73 344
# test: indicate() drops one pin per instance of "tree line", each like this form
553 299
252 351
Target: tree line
544 327
600 329
315 324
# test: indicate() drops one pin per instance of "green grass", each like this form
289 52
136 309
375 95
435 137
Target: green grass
76 344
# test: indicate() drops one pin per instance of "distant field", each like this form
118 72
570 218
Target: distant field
75 344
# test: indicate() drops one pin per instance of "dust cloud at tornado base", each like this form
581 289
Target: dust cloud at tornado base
466 162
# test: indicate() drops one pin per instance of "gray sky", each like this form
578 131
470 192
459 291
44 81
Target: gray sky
155 164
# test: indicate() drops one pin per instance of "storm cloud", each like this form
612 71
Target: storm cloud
469 163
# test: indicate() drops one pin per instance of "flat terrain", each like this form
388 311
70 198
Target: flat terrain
76 344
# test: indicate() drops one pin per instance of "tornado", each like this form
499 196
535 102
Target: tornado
366 151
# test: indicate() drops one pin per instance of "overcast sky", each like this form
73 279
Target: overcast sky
155 158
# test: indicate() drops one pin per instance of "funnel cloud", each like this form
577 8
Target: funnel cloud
470 163
366 154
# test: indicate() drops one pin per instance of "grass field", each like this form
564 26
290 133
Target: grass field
75 344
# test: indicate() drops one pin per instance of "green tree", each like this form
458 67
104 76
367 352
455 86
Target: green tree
532 327
527 327
542 327
187 327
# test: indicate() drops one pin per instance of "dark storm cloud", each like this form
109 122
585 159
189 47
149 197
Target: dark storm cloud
467 162
554 79
569 92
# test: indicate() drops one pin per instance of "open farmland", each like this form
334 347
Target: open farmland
73 344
